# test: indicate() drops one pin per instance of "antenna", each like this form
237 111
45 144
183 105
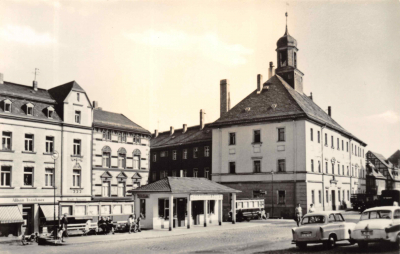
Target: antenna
36 73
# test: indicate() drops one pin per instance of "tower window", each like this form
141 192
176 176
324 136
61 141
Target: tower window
282 58
295 59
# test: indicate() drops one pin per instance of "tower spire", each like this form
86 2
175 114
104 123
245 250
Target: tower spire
286 31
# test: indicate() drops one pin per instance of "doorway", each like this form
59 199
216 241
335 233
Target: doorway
181 211
27 215
333 200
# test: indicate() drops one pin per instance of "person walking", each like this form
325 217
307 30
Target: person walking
64 226
130 223
298 211
311 209
262 215
139 227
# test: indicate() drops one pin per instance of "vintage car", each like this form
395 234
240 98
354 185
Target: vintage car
325 227
378 224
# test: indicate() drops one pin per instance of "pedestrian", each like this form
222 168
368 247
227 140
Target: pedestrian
263 215
311 209
64 225
110 225
102 224
298 214
139 227
130 222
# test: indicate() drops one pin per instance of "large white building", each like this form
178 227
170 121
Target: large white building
279 145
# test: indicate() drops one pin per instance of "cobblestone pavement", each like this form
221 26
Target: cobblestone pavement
267 237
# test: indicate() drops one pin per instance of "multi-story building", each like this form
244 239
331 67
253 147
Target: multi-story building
381 174
183 152
120 155
36 123
278 144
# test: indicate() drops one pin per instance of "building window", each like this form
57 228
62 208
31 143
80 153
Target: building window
106 189
48 177
326 167
319 137
107 135
332 146
206 151
342 145
312 165
154 176
333 169
77 147
326 139
338 169
174 155
195 152
50 113
121 189
154 157
319 197
7 106
281 165
164 174
311 134
348 195
257 166
184 154
257 136
342 169
183 173
281 197
338 144
6 140
313 197
347 146
319 167
29 142
195 172
29 110
232 138
77 96
347 170
76 178
339 195
121 160
142 207
136 162
232 167
139 139
326 197
106 159
164 154
174 173
281 134
77 116
5 176
207 173
49 144
28 176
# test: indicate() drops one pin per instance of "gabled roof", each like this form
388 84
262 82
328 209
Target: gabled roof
106 174
121 175
382 159
289 104
136 176
185 185
394 159
192 135
61 92
26 92
112 120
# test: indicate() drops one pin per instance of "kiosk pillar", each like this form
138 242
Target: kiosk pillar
189 212
171 212
233 205
205 212
220 212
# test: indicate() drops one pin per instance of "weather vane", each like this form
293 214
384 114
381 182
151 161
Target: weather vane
36 73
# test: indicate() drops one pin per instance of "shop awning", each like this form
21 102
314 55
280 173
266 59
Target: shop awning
10 214
48 212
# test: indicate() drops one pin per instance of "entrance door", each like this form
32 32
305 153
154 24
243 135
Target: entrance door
333 200
27 215
181 211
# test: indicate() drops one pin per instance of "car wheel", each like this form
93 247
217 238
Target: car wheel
363 245
398 241
331 243
301 245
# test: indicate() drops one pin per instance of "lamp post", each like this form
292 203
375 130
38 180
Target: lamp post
54 156
272 193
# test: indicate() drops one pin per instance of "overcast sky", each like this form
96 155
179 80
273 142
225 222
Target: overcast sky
160 62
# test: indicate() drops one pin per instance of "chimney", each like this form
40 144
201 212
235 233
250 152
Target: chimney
225 100
259 83
311 96
155 133
95 104
171 131
35 85
184 128
271 70
329 111
202 120
1 78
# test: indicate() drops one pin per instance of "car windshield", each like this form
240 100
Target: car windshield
313 219
377 214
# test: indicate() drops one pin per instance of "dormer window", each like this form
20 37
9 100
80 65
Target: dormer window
29 109
7 106
50 112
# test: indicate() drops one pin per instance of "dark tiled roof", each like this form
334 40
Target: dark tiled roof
107 119
192 135
61 92
394 159
26 92
185 185
289 104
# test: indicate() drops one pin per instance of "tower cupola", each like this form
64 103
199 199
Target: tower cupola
287 61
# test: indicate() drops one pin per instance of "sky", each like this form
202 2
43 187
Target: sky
160 62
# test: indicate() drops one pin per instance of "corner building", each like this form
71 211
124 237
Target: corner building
279 145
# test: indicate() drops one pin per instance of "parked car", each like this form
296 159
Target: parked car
326 227
378 224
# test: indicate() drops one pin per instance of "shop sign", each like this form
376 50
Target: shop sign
205 197
143 195
28 200
74 199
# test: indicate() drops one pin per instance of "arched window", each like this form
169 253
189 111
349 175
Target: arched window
106 157
7 106
136 159
121 158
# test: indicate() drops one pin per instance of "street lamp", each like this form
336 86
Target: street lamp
272 193
54 156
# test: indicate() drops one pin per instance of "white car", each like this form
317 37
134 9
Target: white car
378 224
326 227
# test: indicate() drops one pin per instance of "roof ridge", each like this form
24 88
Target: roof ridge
287 86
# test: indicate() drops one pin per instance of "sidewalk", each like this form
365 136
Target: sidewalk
158 233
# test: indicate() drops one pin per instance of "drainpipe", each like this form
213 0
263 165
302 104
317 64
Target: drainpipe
322 168
294 162
350 168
